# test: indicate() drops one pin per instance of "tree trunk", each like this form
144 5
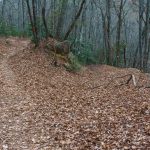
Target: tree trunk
61 18
44 21
3 9
118 38
147 24
108 38
140 32
33 21
30 16
75 20
23 15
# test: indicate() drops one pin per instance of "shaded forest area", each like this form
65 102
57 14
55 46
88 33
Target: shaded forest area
113 32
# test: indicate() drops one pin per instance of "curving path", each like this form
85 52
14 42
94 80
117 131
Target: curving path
12 99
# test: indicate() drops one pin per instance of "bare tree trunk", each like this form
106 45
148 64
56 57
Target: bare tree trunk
108 38
33 21
118 38
19 15
30 16
136 60
148 53
75 19
3 9
61 18
44 21
147 24
23 15
140 31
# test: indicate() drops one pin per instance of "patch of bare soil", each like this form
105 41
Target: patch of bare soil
43 107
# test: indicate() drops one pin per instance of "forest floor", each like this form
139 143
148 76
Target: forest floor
43 107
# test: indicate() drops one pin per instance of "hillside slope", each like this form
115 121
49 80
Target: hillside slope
45 107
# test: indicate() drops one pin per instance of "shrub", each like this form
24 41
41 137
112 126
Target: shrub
8 30
85 54
73 64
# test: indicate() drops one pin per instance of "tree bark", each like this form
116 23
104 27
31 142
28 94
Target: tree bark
147 24
23 15
44 21
140 32
3 9
35 22
61 18
108 41
75 20
118 38
32 16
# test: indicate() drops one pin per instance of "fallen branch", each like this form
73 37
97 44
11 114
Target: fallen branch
134 81
142 86
131 77
112 80
146 87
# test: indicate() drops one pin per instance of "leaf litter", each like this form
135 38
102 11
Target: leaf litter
43 107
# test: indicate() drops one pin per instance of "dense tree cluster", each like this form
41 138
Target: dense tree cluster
114 32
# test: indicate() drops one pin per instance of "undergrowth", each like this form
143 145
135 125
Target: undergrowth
73 64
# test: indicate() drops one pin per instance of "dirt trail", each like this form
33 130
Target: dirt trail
11 94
